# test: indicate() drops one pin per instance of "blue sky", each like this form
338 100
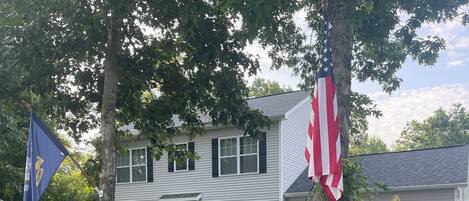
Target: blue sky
452 66
423 90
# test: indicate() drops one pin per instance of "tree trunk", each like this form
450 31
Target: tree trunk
341 12
108 127
342 37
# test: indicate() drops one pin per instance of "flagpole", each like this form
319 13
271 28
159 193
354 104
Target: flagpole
88 178
90 181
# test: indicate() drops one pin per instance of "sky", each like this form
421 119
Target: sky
424 88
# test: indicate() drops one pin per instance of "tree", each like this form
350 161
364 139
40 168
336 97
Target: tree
370 40
263 87
371 145
114 63
12 146
70 184
395 198
444 128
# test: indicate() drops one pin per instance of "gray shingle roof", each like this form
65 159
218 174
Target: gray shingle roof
277 104
445 165
271 106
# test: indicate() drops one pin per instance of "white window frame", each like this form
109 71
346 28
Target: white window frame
187 159
238 156
130 166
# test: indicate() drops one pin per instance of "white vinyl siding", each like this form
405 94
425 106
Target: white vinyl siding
422 195
246 187
293 141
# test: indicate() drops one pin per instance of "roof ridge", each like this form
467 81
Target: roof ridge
414 150
275 94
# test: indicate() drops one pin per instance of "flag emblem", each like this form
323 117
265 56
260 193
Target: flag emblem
39 169
323 149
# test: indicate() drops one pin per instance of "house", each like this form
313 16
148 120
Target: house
421 175
231 166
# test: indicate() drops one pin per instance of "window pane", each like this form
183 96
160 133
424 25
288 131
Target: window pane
123 175
181 164
228 165
138 157
248 145
123 158
248 163
139 174
181 159
228 147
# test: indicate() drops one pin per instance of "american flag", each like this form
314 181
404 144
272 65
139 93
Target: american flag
322 150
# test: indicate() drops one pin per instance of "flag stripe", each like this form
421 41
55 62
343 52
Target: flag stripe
322 106
331 124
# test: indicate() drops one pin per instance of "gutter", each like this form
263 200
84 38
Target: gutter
391 189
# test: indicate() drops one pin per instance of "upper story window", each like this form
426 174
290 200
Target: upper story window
182 163
131 165
177 159
238 155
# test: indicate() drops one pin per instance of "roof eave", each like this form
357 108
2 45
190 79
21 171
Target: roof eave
210 126
423 187
392 189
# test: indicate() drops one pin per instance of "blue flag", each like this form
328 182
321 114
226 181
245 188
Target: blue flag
45 154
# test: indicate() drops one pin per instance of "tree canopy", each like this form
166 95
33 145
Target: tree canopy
70 184
115 63
263 87
371 39
370 145
443 128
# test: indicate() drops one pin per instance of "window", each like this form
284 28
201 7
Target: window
131 165
181 162
238 155
248 154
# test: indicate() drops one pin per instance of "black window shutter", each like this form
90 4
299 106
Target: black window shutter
190 148
149 165
170 161
262 154
215 157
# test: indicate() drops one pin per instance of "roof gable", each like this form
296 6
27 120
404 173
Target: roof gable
277 104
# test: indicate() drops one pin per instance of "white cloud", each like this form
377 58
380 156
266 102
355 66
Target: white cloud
407 105
456 36
457 63
461 42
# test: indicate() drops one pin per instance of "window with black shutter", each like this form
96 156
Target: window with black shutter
132 165
149 165
191 148
215 157
239 155
178 161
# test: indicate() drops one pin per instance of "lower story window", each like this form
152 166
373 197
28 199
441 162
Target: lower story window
238 155
131 165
